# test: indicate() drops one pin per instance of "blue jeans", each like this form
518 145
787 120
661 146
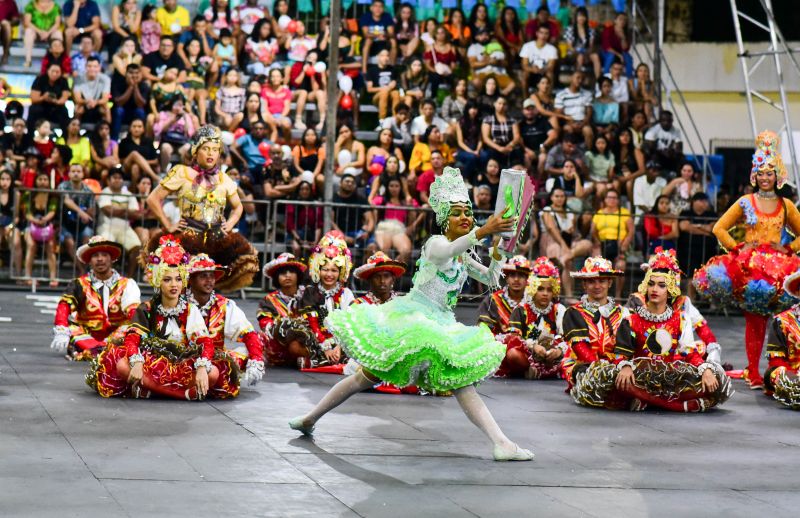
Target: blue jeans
121 115
471 163
608 59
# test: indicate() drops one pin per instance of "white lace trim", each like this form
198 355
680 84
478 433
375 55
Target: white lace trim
594 307
205 308
173 312
652 317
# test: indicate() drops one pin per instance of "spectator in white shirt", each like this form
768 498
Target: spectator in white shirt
663 142
538 59
427 117
647 189
117 207
619 88
575 103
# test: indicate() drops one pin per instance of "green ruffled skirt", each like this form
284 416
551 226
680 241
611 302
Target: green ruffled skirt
411 341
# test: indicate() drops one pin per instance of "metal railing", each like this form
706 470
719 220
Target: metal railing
276 226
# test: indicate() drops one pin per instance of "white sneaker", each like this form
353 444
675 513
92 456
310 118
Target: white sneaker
299 124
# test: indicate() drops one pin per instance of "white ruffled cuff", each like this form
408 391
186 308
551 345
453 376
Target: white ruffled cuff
328 344
61 336
254 372
713 353
202 362
473 237
703 367
135 358
625 363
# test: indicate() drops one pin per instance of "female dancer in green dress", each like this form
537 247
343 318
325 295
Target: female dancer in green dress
415 339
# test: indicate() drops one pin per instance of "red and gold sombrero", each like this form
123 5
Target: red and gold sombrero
379 262
595 267
285 260
99 244
519 264
203 263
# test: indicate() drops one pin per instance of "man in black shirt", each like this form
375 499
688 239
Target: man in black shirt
138 154
155 63
130 95
356 222
696 242
536 132
382 84
16 142
49 94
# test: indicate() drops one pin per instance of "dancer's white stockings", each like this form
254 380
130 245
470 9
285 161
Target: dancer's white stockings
337 395
475 409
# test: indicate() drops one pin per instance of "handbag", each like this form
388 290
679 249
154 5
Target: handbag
441 68
42 234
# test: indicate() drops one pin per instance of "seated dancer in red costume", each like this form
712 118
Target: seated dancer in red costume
329 268
381 272
534 342
496 308
225 320
203 194
167 350
663 367
596 325
751 275
707 344
95 305
783 351
285 331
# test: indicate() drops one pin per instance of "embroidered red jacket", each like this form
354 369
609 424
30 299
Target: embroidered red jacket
645 345
224 319
495 312
81 304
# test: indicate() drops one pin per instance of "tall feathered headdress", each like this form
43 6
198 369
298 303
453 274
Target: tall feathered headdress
663 262
768 157
169 255
446 190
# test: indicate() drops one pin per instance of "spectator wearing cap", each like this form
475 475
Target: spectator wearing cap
647 188
117 206
381 273
49 94
80 19
696 242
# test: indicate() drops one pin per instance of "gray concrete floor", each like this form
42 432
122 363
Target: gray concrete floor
64 451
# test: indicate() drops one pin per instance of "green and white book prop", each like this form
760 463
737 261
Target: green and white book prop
514 200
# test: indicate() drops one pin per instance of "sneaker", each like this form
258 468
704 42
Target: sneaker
299 124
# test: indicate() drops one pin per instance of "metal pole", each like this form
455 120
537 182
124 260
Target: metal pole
658 43
333 97
782 89
743 60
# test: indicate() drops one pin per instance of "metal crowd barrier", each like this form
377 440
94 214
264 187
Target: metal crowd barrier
274 226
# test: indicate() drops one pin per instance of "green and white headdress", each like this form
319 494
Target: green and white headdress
448 189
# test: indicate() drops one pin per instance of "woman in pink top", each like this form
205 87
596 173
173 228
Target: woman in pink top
279 103
397 224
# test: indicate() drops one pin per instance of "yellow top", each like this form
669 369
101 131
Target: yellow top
612 226
421 157
202 202
179 19
760 227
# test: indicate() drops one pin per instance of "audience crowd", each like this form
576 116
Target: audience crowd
117 101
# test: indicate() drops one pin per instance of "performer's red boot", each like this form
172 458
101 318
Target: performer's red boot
755 330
